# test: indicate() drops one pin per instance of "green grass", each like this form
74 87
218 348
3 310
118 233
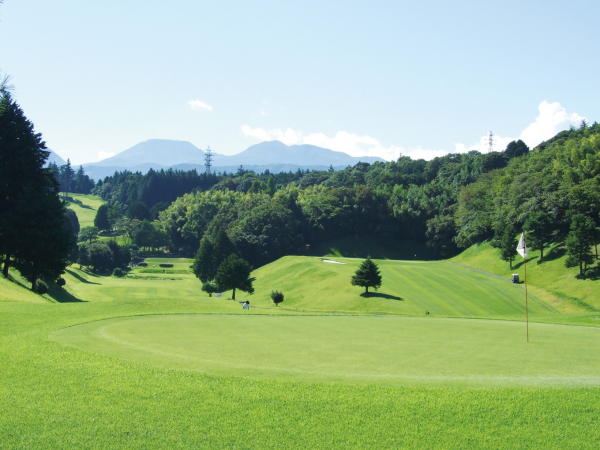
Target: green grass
548 280
400 351
361 247
85 206
412 288
233 381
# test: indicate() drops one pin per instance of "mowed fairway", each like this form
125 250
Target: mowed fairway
442 288
85 206
355 350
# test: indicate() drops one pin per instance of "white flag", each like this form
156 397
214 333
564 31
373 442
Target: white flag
522 247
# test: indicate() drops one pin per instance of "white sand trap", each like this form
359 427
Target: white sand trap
333 262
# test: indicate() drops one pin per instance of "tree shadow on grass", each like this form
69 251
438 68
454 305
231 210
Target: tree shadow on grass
63 296
554 253
530 260
380 295
79 277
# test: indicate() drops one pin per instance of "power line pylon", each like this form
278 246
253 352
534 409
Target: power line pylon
490 142
208 155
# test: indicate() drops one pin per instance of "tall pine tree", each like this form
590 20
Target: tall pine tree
367 276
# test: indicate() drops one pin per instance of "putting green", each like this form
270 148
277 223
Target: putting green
356 350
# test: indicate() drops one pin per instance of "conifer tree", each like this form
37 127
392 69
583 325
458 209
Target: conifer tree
539 230
367 275
508 245
579 242
234 273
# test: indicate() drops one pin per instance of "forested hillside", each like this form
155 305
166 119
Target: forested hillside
448 203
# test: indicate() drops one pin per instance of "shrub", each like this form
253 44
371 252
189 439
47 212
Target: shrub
143 264
277 297
61 282
210 288
590 273
41 287
117 272
166 265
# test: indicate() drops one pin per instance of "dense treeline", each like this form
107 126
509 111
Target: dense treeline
37 232
450 202
71 181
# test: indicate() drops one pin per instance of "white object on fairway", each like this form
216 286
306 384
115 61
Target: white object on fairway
522 246
333 262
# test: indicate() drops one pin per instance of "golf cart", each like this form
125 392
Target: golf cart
515 278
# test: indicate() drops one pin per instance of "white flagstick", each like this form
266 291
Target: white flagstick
522 249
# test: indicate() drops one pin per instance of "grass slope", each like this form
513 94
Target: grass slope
548 280
408 287
85 206
361 247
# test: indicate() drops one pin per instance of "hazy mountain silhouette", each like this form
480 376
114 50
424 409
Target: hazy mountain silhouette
273 155
54 158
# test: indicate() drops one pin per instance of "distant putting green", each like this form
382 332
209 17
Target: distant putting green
354 350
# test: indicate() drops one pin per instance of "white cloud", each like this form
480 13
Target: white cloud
197 105
104 155
553 119
349 143
263 113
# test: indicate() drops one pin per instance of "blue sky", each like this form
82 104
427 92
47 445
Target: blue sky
379 78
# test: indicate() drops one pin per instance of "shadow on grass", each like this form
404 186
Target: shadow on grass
554 253
520 264
380 295
79 277
62 296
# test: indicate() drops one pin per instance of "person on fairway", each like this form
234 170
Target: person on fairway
246 305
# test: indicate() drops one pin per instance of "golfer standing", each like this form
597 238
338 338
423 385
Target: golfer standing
246 305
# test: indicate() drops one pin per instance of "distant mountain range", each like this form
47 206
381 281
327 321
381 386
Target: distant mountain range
181 155
54 158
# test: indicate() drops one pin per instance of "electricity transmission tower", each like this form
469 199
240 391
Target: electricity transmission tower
490 140
208 155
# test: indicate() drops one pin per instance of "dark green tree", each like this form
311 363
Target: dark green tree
83 255
101 257
367 275
73 226
44 235
101 220
67 177
215 247
139 211
271 188
89 234
277 297
203 266
539 231
22 158
508 245
515 149
234 273
579 242
210 288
